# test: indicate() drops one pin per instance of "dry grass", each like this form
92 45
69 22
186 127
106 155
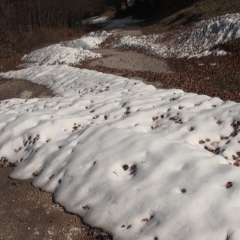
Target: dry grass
19 43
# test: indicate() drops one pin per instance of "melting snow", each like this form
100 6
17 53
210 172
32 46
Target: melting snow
194 42
71 52
140 163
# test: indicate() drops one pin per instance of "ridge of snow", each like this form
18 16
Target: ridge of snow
119 153
194 42
69 53
93 20
57 54
89 41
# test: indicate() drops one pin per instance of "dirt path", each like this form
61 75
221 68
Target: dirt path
129 60
26 213
15 88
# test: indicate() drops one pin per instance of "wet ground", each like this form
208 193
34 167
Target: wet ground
15 88
26 213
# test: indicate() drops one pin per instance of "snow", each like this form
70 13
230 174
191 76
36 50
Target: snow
138 162
112 24
70 53
78 142
90 41
95 20
57 54
194 42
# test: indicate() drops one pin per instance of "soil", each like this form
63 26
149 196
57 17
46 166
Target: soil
15 88
27 213
129 60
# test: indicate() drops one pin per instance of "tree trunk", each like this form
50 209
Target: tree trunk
126 3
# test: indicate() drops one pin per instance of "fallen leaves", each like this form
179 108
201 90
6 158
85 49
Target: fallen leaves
236 164
201 142
51 177
183 190
155 118
4 160
133 169
214 144
228 185
125 167
17 150
75 128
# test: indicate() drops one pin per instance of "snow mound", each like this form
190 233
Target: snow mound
194 42
94 20
90 41
139 162
112 24
59 54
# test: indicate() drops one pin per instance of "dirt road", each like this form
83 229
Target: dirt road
26 213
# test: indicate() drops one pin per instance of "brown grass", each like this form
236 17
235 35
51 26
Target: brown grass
15 44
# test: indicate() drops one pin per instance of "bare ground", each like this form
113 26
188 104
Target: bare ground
17 88
27 213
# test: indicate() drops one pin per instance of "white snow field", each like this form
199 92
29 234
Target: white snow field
119 153
138 162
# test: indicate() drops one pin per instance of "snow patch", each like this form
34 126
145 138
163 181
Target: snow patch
90 41
187 43
139 162
59 54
